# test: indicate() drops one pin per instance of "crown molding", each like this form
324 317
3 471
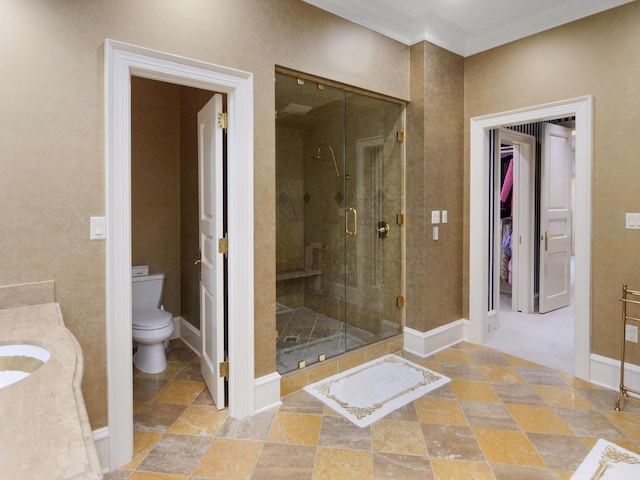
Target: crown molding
410 27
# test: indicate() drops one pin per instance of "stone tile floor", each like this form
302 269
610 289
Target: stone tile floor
500 417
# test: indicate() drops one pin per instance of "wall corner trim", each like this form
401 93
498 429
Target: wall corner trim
424 344
267 392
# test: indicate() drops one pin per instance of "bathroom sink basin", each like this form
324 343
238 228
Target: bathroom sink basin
20 361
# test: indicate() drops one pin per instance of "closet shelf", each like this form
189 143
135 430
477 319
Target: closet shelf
299 273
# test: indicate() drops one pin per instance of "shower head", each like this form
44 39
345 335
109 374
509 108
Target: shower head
333 156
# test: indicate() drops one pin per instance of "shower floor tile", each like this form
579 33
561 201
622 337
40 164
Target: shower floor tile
305 334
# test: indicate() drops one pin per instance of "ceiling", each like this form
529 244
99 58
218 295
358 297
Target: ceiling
465 27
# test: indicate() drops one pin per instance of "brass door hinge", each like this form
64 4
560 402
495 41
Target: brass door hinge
400 219
224 369
223 120
400 136
223 245
400 301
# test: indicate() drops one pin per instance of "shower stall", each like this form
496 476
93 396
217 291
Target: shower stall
339 219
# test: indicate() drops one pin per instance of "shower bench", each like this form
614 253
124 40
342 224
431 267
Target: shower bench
299 273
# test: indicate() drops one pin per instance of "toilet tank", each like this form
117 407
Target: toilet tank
146 291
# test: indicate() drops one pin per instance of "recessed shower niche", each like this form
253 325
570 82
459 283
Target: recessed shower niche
339 222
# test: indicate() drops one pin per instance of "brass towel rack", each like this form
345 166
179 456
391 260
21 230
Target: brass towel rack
629 297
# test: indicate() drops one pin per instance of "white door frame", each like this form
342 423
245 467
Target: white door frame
480 127
121 62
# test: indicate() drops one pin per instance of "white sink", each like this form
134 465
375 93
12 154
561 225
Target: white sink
20 361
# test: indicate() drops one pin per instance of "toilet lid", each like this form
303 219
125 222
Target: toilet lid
153 319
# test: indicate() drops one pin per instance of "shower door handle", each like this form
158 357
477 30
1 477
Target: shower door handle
383 229
354 230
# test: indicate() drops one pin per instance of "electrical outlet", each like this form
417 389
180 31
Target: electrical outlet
631 333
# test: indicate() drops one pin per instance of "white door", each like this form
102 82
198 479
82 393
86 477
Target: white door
555 218
210 195
521 218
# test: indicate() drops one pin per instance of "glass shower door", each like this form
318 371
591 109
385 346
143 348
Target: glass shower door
338 242
373 230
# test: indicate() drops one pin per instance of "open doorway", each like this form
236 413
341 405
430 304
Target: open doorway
177 211
534 189
122 61
480 194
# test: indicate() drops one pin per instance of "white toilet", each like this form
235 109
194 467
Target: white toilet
151 325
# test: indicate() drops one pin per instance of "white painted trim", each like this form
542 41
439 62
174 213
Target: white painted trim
582 108
424 344
523 221
101 440
267 392
605 372
121 62
410 27
176 328
190 335
266 388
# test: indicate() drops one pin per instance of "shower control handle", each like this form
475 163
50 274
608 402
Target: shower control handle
383 229
354 230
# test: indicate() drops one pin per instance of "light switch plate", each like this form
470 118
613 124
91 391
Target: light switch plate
632 221
97 228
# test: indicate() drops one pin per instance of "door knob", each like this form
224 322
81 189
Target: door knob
383 229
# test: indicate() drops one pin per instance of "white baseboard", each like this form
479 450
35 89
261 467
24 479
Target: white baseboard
605 372
101 439
267 392
424 344
176 328
191 336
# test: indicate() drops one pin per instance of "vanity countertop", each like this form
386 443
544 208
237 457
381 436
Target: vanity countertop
45 432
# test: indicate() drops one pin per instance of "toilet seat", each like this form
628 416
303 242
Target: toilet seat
152 319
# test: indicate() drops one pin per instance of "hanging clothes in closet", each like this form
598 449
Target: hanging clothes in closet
506 192
506 200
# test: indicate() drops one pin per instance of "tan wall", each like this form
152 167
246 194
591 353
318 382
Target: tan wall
164 189
434 182
52 131
155 183
595 56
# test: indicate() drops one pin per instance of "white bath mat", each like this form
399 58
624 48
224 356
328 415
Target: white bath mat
608 461
372 390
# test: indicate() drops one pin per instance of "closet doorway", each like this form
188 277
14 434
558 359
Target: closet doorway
480 296
533 248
